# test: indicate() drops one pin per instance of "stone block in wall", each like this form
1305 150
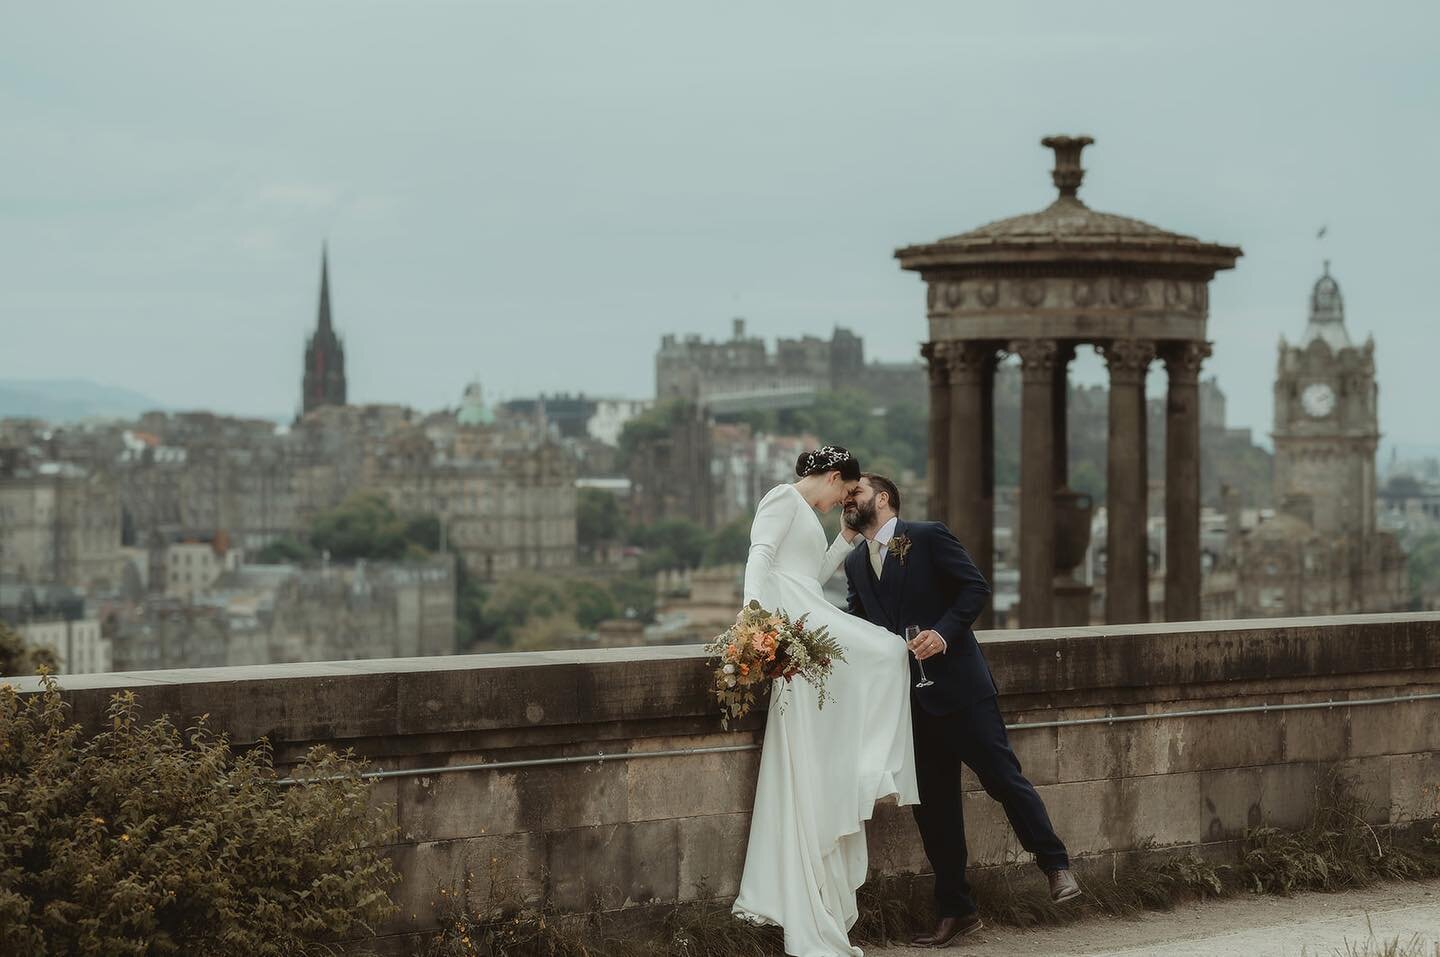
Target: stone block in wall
505 869
894 841
509 868
1229 803
711 855
1287 794
1368 779
988 835
1408 728
1078 812
1169 745
424 869
1158 808
690 785
1089 752
1414 787
1215 742
464 804
613 865
1037 749
571 795
1320 735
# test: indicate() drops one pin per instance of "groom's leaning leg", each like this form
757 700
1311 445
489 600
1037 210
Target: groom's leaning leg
986 749
940 816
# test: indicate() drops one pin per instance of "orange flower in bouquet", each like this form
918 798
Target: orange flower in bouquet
763 646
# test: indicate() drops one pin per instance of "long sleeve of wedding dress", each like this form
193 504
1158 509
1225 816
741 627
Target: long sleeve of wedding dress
773 520
834 558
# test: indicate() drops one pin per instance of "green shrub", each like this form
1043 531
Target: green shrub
141 840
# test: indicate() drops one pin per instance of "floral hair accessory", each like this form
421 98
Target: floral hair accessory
824 459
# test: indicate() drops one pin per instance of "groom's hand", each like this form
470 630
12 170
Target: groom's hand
927 644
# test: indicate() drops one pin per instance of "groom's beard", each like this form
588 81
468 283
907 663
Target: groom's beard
861 517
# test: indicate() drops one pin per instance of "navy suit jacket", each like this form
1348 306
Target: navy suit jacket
936 586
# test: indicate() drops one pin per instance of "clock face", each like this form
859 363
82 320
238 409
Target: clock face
1318 400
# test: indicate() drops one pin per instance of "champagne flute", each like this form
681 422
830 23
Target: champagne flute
911 633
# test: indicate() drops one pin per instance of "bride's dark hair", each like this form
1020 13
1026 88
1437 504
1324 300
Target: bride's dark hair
829 458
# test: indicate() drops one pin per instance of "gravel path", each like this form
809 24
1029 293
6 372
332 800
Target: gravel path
1308 925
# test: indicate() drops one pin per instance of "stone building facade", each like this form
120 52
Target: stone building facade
60 523
365 610
77 644
268 614
707 372
1322 553
505 498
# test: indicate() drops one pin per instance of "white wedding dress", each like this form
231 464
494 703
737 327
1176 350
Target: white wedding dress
821 772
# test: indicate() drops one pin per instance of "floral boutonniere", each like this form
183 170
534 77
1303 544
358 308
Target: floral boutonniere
900 547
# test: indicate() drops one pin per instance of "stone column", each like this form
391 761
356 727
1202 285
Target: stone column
937 356
1127 564
1182 480
971 503
1037 481
1060 413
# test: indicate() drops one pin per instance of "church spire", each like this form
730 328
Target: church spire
324 380
325 288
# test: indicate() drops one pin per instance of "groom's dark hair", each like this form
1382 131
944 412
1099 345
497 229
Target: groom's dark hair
882 484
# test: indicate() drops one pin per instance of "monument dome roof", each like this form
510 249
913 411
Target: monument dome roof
1068 229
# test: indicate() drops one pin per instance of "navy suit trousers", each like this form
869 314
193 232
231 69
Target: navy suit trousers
974 736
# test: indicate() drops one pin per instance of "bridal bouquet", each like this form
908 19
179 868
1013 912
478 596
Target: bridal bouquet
762 646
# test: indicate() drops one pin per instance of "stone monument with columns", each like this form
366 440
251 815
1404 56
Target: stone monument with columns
1037 286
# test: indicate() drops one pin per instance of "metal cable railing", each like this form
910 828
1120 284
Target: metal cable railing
600 757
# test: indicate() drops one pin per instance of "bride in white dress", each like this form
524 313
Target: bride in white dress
821 772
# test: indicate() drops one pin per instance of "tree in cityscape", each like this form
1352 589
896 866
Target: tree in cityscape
891 440
16 659
729 544
670 543
651 425
285 551
367 526
531 611
598 519
593 603
1424 567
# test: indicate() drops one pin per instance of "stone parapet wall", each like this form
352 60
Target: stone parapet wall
622 832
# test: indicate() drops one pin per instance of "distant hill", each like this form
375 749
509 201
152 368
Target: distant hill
68 400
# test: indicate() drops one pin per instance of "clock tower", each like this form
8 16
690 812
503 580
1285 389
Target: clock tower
1326 421
1320 553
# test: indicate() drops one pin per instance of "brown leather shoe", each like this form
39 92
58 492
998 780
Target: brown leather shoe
1063 886
949 930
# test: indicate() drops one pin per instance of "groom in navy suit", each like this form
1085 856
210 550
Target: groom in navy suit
916 573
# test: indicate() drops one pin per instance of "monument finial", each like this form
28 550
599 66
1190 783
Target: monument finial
1068 172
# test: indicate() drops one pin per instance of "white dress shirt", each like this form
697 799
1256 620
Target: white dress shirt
887 532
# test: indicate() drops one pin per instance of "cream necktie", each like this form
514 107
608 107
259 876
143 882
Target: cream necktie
876 561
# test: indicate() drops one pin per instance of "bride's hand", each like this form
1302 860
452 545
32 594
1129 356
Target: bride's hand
848 533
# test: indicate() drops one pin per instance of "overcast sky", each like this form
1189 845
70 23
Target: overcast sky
531 193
